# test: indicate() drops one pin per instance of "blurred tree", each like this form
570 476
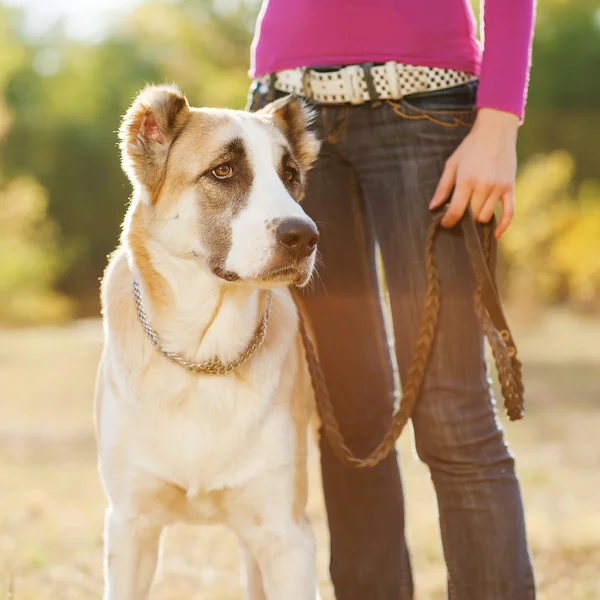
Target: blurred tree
29 258
65 135
563 109
64 101
553 248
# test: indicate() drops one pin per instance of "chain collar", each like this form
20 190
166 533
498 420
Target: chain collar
213 366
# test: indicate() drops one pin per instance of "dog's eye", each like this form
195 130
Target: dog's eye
223 172
290 174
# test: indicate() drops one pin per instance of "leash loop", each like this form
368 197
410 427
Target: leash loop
493 323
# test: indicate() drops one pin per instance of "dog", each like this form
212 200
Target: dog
203 397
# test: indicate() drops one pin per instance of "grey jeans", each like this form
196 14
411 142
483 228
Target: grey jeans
376 173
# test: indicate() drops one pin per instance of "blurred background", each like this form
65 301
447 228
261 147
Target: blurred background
68 71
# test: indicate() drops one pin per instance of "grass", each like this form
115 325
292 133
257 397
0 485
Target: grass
51 504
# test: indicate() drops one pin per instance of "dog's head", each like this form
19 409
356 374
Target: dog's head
223 187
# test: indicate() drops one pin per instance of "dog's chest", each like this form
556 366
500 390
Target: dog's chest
209 433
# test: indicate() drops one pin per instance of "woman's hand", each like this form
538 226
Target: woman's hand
482 171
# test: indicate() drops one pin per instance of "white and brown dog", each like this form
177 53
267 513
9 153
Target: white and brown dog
213 236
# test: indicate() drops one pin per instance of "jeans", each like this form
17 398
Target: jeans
378 168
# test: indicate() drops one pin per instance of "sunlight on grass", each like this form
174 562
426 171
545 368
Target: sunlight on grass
51 506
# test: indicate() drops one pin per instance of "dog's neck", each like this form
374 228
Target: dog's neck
194 313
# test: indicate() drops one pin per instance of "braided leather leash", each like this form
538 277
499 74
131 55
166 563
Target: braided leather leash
493 323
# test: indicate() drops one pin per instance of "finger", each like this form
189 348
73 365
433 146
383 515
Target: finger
481 194
445 185
489 207
458 203
508 211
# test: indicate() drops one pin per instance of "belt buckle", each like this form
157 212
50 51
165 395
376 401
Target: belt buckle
371 88
351 75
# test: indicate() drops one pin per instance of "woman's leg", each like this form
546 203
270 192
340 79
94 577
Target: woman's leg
399 152
369 558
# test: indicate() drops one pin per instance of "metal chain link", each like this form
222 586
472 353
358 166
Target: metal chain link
213 366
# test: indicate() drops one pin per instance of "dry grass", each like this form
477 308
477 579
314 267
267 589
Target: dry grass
51 504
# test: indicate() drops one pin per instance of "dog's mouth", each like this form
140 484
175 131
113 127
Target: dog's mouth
287 274
297 274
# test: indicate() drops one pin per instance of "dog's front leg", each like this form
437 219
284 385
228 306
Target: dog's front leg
286 559
131 548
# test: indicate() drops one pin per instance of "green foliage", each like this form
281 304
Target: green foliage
29 257
567 46
553 248
563 109
61 102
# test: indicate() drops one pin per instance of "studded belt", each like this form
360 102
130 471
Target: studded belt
356 84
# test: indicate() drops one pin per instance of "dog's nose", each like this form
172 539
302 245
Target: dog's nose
300 237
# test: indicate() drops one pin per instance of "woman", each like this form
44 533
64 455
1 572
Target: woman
412 114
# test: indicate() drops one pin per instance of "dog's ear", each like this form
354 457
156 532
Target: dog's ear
147 131
293 116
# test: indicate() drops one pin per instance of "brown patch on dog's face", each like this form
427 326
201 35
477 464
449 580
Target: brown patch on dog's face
292 175
293 117
222 199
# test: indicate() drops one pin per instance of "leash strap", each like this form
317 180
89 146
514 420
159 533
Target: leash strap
484 276
489 311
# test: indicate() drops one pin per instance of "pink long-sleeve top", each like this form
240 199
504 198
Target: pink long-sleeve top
434 33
